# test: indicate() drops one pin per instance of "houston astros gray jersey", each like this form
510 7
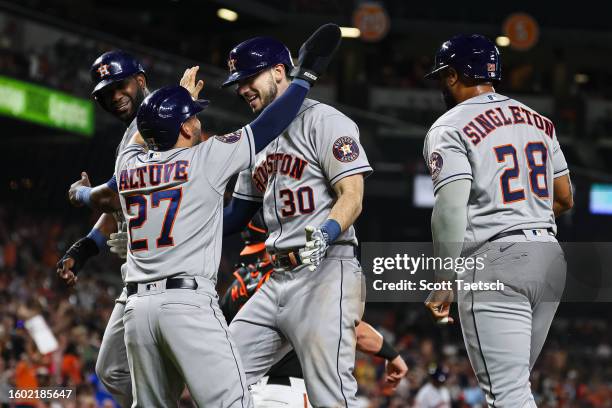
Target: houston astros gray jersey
173 202
112 365
127 136
295 174
511 154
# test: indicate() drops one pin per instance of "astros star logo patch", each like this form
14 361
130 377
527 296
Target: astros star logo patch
345 149
230 137
435 164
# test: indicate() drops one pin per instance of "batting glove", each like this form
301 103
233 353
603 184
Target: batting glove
316 53
118 244
317 242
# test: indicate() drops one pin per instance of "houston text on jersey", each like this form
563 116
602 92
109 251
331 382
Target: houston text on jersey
283 163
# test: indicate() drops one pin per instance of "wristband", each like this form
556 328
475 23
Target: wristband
98 238
82 195
304 74
80 251
331 229
387 351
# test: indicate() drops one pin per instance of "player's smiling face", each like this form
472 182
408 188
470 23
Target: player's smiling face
259 90
122 98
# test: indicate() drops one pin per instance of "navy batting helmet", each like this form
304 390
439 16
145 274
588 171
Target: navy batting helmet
111 67
253 56
474 56
162 113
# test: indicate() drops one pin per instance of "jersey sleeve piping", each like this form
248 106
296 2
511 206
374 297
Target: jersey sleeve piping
443 125
356 170
249 135
454 177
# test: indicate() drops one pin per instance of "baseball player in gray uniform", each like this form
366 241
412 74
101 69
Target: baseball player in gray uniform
310 178
499 178
283 385
172 197
119 88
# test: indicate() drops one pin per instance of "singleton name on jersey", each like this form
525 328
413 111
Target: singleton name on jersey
480 126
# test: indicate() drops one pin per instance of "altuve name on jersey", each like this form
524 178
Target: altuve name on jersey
152 175
282 163
480 126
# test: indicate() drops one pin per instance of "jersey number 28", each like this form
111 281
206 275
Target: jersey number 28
536 155
140 201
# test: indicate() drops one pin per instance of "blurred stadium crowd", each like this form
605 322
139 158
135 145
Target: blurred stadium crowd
46 64
393 66
574 370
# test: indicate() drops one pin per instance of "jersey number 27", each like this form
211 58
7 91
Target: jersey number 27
538 182
140 201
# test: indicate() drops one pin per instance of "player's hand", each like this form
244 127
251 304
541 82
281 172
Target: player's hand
396 369
316 246
72 193
188 81
438 302
118 244
317 52
64 271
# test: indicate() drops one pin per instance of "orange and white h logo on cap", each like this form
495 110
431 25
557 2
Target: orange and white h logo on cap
231 64
103 70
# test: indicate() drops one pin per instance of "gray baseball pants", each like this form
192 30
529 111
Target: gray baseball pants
112 366
504 331
313 312
179 336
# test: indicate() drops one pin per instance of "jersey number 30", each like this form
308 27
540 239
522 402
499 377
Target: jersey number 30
165 239
304 198
537 170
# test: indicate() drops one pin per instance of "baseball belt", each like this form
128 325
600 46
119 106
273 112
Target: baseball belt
520 232
290 259
171 283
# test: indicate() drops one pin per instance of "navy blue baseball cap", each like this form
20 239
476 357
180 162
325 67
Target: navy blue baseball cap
472 55
162 113
113 66
253 56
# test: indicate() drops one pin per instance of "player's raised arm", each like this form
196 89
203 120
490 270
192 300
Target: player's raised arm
104 197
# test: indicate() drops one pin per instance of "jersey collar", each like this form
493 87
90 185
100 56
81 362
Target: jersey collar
485 97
